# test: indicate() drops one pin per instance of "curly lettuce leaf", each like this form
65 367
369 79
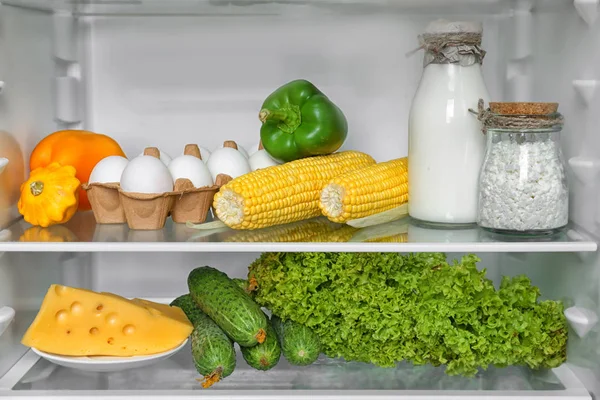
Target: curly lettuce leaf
384 308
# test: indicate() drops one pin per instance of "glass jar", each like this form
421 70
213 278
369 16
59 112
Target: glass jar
523 185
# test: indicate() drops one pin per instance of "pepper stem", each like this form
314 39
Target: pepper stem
36 188
266 114
289 118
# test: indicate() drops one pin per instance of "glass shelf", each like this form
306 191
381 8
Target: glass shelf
82 234
177 376
257 7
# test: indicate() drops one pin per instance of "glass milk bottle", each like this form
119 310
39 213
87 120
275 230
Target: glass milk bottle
446 145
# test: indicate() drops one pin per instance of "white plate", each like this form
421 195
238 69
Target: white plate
107 364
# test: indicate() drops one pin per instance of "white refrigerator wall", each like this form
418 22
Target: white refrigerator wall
168 81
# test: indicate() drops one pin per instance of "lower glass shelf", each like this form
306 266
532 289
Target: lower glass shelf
177 376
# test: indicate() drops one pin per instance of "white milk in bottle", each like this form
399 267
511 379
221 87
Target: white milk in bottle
446 145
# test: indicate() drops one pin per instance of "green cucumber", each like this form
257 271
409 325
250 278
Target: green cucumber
212 350
189 307
299 343
266 355
231 308
242 284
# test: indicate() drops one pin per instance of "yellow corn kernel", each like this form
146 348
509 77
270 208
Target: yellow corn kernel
283 193
367 191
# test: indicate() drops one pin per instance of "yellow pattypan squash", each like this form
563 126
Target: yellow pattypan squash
50 196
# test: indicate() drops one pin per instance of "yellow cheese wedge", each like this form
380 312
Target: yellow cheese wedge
79 322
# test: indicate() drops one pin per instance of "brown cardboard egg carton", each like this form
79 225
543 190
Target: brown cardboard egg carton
105 202
149 211
193 204
146 211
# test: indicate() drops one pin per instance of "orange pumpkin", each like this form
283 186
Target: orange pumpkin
80 149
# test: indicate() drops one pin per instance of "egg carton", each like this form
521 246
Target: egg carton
106 202
193 204
142 211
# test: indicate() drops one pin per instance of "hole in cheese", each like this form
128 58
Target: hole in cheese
94 331
100 307
110 340
68 332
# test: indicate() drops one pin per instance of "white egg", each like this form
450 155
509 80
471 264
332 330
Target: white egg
146 174
191 168
205 154
227 161
261 159
164 157
108 170
254 149
240 149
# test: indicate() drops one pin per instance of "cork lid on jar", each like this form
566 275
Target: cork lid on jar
519 108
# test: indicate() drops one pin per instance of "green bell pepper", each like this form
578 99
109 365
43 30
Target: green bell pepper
300 121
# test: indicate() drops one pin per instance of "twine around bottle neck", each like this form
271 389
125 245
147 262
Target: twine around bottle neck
462 48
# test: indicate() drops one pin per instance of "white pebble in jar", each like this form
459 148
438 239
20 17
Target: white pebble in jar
523 184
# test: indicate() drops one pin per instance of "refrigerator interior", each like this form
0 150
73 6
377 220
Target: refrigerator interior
167 73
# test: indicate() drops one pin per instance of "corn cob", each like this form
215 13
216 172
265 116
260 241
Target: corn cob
283 193
367 191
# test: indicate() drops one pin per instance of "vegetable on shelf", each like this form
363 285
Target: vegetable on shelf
50 196
266 355
366 192
435 312
79 149
244 285
283 193
300 345
212 350
229 307
300 121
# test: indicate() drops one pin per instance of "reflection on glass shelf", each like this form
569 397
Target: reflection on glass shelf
178 373
407 235
253 7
